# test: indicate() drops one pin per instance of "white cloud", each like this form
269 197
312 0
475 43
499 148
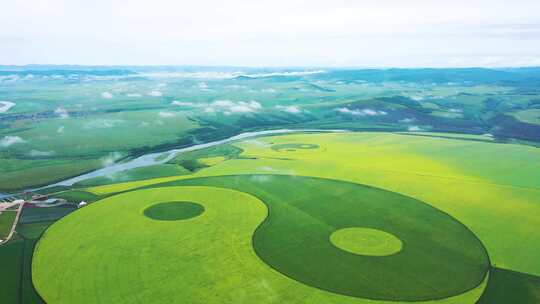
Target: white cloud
270 90
223 103
203 86
270 33
60 129
414 129
10 140
155 93
291 73
5 106
361 112
137 95
107 95
62 113
289 109
406 120
166 114
182 103
111 159
228 106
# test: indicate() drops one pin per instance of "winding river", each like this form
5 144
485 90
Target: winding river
155 159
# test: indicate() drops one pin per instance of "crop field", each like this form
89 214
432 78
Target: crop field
352 217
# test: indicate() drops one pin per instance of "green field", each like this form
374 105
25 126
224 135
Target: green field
318 218
6 222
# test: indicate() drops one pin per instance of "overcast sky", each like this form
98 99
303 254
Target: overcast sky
356 33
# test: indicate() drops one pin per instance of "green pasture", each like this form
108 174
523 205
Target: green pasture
6 222
490 188
112 259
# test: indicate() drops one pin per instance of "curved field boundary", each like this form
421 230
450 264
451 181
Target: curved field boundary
340 276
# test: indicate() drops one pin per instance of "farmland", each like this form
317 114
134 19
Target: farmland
434 197
247 185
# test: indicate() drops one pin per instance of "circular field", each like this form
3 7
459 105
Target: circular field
366 241
293 147
260 239
173 211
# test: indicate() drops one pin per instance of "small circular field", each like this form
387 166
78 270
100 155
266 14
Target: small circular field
257 239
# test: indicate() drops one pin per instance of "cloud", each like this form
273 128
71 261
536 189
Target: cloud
166 114
228 106
268 90
155 93
182 103
203 86
289 109
5 106
110 159
134 95
107 95
288 73
60 129
414 129
10 140
37 153
361 112
417 98
62 113
406 120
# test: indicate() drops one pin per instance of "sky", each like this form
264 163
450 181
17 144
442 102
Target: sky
331 33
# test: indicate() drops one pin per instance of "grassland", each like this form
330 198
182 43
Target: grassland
530 116
10 261
311 210
104 269
70 120
490 188
6 222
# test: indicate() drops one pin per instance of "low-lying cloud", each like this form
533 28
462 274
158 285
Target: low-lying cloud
166 114
361 112
11 140
62 113
182 103
229 107
107 95
155 93
293 109
5 106
110 159
414 129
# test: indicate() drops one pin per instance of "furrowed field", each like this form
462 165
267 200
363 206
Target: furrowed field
358 217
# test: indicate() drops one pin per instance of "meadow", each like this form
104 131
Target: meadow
63 121
273 215
427 189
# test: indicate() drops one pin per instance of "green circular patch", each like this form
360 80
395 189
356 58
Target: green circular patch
293 147
439 257
173 211
366 241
